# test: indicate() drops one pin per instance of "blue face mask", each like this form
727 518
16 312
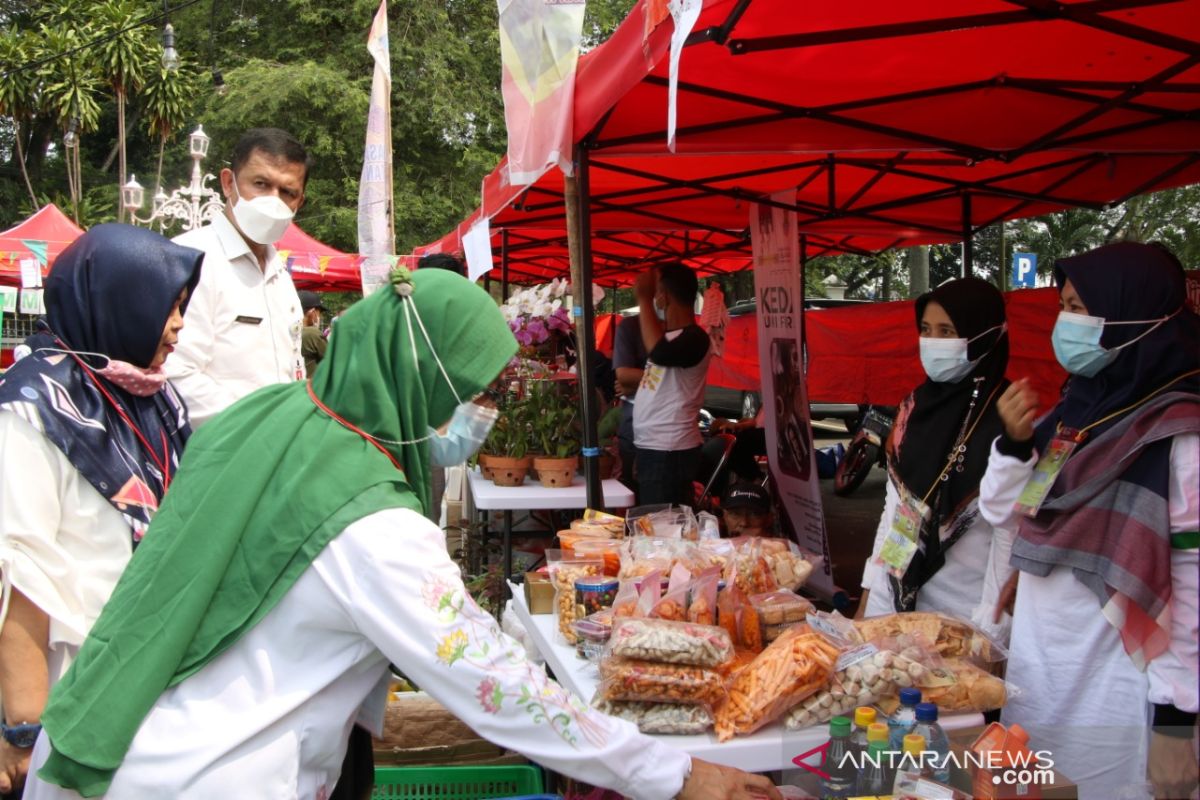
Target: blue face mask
1076 340
468 429
945 360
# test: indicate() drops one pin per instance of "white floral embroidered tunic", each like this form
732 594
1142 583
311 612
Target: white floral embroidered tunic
274 711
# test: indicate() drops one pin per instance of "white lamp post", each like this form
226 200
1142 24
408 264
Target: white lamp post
193 205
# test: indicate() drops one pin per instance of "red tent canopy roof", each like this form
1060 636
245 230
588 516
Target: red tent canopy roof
317 266
897 123
48 225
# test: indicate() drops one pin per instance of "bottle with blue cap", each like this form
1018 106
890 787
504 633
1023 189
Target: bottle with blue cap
904 720
935 739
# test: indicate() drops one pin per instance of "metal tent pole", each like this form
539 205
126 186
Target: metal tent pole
579 243
504 265
968 245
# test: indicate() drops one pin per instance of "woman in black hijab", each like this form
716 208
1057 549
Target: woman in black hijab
933 550
90 435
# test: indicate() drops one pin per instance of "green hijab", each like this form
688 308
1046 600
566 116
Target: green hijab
260 492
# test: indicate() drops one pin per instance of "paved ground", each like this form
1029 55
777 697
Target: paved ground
850 522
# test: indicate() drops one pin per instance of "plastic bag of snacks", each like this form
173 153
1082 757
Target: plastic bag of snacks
790 669
779 610
625 603
649 592
739 619
672 522
661 718
673 604
702 598
642 555
613 524
716 553
670 642
864 675
948 637
591 637
649 682
758 557
563 574
959 685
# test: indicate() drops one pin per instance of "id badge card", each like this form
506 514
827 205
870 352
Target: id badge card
1046 472
903 540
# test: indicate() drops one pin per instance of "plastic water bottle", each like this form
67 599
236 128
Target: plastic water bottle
935 739
910 762
876 777
904 720
838 765
863 717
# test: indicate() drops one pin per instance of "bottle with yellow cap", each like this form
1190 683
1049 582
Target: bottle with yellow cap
864 716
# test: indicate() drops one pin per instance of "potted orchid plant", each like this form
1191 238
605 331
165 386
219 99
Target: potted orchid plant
539 316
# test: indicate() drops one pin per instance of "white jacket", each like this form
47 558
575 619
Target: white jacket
242 327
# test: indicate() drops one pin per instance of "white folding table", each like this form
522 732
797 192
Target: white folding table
768 749
532 496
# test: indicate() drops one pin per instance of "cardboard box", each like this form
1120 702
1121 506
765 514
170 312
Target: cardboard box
418 730
539 593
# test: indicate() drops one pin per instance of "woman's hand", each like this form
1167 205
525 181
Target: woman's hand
1172 767
1018 408
710 781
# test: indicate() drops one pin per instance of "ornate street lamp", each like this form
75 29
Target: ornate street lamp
193 205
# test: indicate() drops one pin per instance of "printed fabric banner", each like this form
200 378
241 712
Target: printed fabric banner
790 450
376 237
539 47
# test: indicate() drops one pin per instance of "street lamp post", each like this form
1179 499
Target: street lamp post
193 205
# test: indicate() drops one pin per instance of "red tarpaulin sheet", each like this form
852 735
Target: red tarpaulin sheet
868 353
48 226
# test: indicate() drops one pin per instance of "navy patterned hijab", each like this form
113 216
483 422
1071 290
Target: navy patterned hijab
111 292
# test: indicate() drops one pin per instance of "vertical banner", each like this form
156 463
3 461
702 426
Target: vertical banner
790 450
376 235
539 47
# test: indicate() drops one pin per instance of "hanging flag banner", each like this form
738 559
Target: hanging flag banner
684 13
477 246
376 235
38 248
539 48
790 451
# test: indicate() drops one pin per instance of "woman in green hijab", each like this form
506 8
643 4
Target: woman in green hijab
291 562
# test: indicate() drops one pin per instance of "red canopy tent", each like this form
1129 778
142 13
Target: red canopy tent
927 124
317 266
43 236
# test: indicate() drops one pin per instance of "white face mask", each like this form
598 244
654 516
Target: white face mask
945 360
262 219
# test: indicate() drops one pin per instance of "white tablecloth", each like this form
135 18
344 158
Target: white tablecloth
768 749
533 496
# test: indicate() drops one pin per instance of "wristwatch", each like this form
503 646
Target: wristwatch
23 735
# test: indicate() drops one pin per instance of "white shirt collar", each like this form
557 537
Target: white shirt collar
235 247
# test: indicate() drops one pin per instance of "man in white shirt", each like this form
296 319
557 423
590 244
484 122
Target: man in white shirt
244 320
665 429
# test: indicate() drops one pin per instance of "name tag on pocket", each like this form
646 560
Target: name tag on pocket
248 320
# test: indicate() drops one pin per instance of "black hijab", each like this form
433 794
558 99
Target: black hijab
1119 282
931 418
110 292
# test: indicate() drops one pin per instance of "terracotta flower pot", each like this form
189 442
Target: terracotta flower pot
508 471
486 466
556 472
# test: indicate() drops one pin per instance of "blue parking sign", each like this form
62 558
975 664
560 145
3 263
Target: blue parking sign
1024 270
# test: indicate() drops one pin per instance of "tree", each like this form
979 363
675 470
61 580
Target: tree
70 92
18 93
166 102
125 57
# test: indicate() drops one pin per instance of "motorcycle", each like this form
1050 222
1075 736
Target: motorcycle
866 449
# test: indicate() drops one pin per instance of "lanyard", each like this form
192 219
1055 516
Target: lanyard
1081 434
351 426
956 452
162 463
